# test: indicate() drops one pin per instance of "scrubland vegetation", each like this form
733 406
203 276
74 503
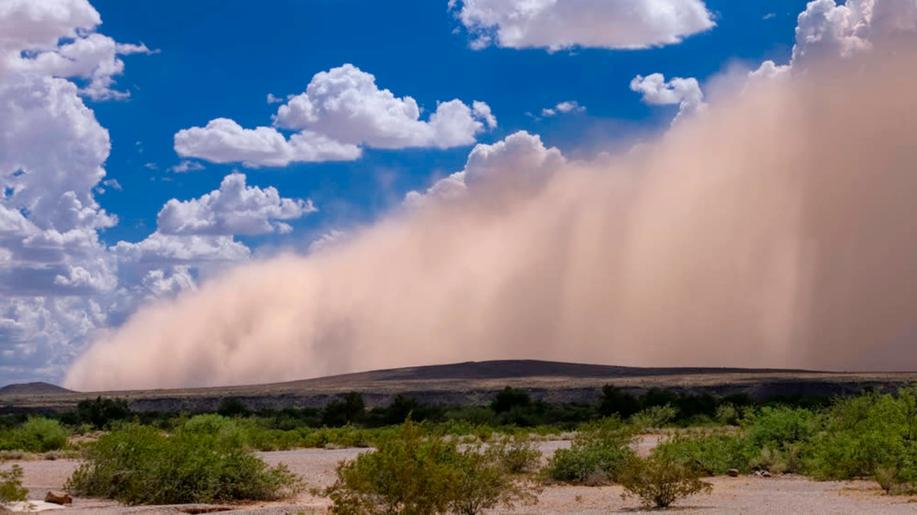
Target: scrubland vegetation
414 474
430 459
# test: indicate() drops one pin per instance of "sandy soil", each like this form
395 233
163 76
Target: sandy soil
748 494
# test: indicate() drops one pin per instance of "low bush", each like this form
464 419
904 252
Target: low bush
517 454
411 473
37 434
654 417
596 456
11 489
710 454
139 465
660 481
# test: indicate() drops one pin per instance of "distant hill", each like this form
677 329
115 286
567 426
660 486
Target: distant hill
36 388
470 383
519 368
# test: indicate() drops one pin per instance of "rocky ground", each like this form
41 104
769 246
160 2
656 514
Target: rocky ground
746 494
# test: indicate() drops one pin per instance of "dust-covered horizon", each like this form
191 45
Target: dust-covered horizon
776 228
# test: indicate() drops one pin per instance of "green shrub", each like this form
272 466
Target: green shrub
727 414
139 465
866 435
37 434
596 456
654 417
660 481
710 454
101 412
11 489
517 454
412 474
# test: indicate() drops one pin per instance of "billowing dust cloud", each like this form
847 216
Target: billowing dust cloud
776 229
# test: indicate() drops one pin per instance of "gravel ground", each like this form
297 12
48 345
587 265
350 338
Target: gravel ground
753 495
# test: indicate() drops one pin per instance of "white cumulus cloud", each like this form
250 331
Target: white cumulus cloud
686 93
345 104
232 209
519 163
567 106
558 24
224 141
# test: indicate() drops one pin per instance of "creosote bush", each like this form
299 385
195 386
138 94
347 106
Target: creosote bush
140 465
411 473
11 489
660 481
595 457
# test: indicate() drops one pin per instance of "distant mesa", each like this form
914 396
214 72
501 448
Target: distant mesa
36 388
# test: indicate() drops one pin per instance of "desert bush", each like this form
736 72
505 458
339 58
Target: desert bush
37 434
727 414
660 481
11 489
139 465
596 456
517 454
654 417
872 434
415 474
710 454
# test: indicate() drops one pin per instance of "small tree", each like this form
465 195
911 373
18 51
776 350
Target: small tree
615 401
11 489
660 481
102 411
344 411
510 398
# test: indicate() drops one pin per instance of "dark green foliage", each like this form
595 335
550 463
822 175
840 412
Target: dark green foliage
510 398
232 407
615 401
660 481
201 463
344 411
11 489
101 412
37 434
413 474
400 409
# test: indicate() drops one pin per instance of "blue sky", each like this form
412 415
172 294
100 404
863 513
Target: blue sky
134 89
221 58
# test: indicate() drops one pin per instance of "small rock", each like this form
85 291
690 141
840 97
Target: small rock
57 497
733 472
